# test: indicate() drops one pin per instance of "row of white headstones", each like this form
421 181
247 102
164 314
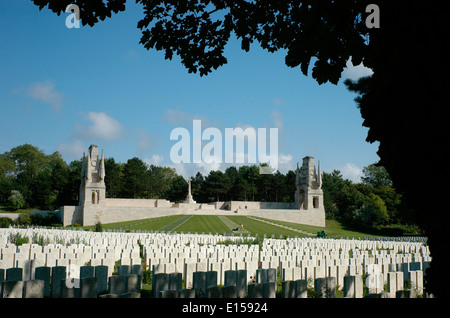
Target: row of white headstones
295 258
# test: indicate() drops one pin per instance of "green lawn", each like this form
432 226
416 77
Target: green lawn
215 224
153 224
336 228
261 228
225 224
5 209
332 227
203 224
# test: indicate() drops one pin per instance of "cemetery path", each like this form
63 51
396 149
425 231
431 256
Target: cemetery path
282 226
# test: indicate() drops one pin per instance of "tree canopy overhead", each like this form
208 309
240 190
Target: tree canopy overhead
329 32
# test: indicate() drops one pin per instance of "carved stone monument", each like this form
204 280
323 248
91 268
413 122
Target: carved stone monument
92 189
309 194
189 198
94 207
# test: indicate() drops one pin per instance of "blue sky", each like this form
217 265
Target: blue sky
64 89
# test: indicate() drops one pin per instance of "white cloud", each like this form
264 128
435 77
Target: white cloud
284 159
73 150
177 117
279 101
154 160
131 55
145 141
355 72
285 163
277 119
206 168
102 127
350 171
185 170
45 92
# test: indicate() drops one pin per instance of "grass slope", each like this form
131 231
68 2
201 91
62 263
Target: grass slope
204 224
215 224
257 227
153 224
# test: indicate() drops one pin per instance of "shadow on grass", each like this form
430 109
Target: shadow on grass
389 230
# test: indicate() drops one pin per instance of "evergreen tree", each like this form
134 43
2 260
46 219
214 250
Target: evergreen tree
135 181
113 178
178 190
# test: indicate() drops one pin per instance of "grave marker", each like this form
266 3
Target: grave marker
101 273
301 288
14 274
269 289
117 284
88 287
255 290
12 289
57 280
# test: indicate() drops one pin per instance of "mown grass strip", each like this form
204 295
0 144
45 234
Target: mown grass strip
283 226
257 227
151 224
228 223
172 226
158 223
204 224
225 224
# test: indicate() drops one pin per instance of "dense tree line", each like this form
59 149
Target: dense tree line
31 179
371 203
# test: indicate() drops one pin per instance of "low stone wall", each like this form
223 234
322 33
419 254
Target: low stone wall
70 215
256 205
315 218
12 216
147 203
121 214
194 206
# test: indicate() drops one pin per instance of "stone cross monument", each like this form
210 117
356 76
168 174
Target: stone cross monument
189 198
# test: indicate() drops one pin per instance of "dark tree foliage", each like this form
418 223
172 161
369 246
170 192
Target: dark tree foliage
91 11
70 192
197 31
177 190
113 178
134 183
401 104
